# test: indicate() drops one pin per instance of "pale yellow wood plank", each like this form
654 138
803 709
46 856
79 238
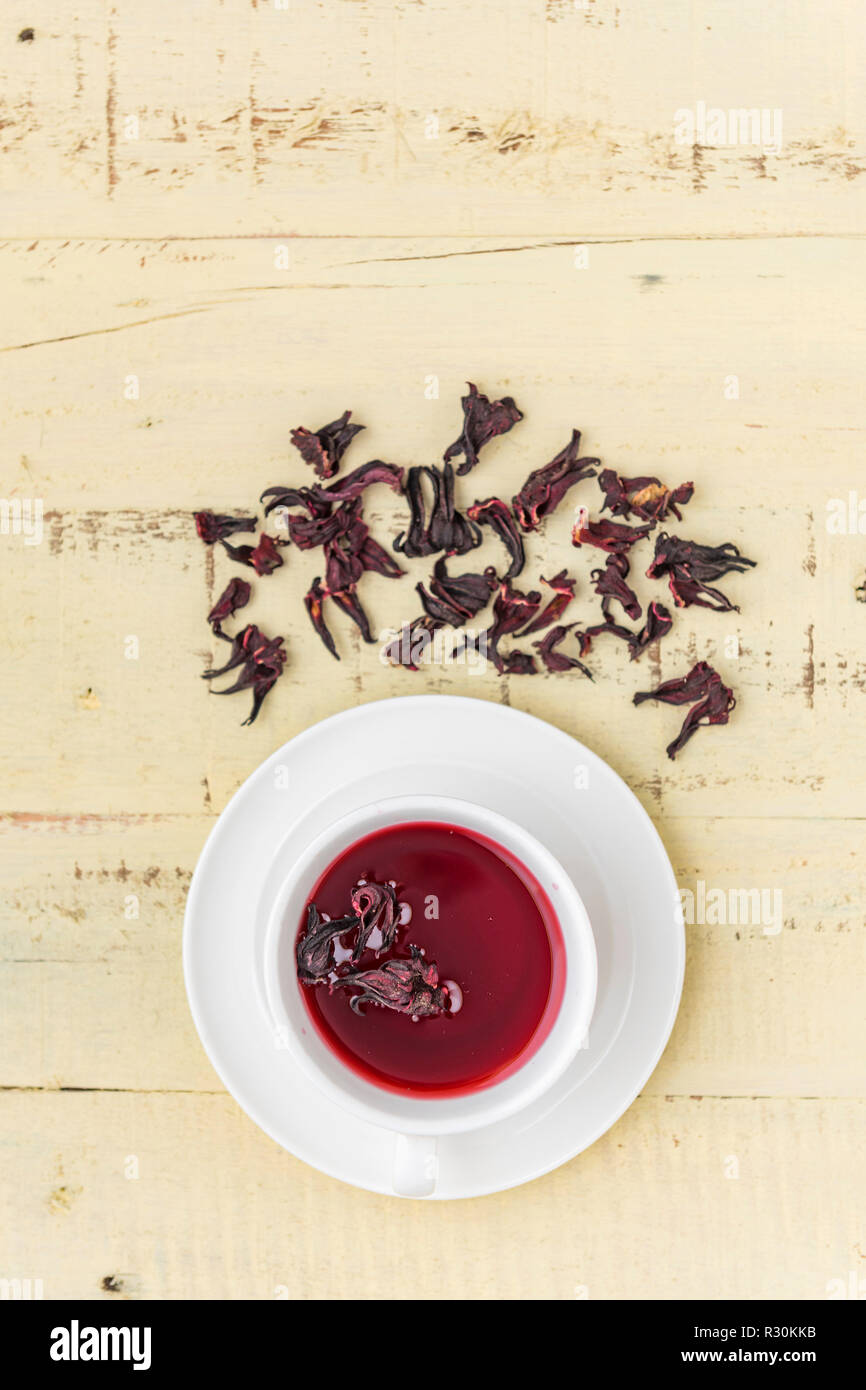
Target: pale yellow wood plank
378 117
234 356
431 169
218 1211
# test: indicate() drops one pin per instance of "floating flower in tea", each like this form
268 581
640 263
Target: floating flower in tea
409 986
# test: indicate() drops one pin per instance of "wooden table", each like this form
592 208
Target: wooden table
222 221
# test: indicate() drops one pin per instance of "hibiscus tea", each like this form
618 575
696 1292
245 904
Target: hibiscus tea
469 981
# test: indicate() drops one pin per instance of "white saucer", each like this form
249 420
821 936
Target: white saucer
516 765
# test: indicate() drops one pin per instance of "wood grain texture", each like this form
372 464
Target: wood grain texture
242 210
389 116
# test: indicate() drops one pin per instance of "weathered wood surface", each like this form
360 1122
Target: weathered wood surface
391 116
161 259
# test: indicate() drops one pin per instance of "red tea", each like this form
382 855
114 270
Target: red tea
476 911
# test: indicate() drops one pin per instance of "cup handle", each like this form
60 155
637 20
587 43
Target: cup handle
416 1165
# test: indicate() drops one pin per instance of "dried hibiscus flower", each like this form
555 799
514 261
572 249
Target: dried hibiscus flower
607 628
347 600
213 528
264 557
715 702
495 514
310 532
545 488
611 536
610 584
352 551
516 663
295 497
647 498
415 541
446 529
441 610
235 595
409 645
409 986
375 907
555 660
314 602
323 449
563 592
512 610
684 690
483 420
657 625
367 475
262 659
313 951
692 567
454 599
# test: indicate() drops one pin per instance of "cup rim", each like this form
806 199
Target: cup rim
431 1114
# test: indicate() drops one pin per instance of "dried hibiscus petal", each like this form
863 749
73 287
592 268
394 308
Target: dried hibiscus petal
415 541
454 599
715 702
512 610
295 497
347 599
495 514
467 592
408 647
313 951
263 557
262 659
563 592
608 627
483 420
684 690
235 595
555 660
446 529
348 488
409 986
373 556
645 497
323 449
314 602
440 608
611 536
610 584
343 563
375 907
691 567
213 528
658 624
516 663
544 489
349 547
715 709
309 532
237 655
449 530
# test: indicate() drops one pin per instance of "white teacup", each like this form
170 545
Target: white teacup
417 1122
